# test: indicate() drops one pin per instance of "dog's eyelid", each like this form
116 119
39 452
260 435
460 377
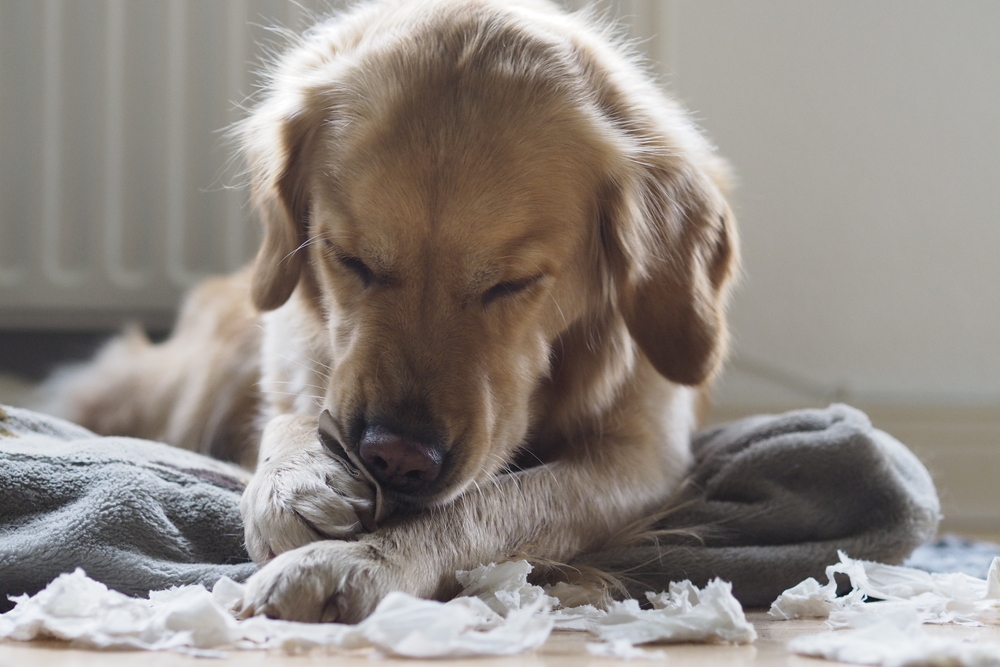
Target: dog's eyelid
509 288
358 267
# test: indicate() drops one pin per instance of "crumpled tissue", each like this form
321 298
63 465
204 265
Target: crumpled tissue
191 619
499 613
937 598
684 613
893 638
878 621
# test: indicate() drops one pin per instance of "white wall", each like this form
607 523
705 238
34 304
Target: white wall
867 139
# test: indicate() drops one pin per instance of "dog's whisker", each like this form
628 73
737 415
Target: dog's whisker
542 464
482 495
299 363
298 384
304 244
288 393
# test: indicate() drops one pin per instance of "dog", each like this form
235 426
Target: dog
496 264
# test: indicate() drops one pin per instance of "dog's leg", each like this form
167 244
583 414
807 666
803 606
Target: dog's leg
553 511
300 493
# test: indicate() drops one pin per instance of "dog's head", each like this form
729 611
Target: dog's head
455 201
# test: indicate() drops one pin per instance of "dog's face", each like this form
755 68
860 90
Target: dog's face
450 231
449 258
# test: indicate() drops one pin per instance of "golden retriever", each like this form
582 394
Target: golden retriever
496 255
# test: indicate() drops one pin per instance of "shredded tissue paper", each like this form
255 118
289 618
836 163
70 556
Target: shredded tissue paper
879 621
499 613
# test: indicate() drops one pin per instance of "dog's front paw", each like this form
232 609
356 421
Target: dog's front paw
328 581
301 494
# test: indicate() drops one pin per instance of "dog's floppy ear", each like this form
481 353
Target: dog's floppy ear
667 224
277 140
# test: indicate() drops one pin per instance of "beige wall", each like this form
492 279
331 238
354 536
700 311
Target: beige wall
867 140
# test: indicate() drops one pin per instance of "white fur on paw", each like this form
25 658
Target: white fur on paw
302 497
328 581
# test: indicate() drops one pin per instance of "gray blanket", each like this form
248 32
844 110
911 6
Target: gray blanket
770 501
136 515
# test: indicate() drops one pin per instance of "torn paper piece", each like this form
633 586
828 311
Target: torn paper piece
993 581
682 614
406 626
85 612
893 582
507 616
806 600
504 587
938 598
624 650
190 619
579 619
894 639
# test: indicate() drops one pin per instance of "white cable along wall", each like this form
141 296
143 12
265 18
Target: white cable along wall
114 177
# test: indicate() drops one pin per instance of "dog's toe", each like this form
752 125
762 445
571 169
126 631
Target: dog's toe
327 581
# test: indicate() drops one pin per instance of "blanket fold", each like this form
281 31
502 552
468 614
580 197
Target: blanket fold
770 501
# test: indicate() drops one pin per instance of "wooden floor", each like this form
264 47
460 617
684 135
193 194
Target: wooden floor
564 649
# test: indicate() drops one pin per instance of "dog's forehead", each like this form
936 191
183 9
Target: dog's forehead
477 195
459 153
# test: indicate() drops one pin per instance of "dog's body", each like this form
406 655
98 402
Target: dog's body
497 255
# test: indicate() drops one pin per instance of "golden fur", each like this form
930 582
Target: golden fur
481 217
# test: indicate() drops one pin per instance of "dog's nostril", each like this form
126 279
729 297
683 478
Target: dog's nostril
398 461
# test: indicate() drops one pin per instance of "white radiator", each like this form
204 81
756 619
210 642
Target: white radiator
115 180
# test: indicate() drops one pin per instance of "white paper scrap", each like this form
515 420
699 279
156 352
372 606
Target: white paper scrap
190 619
406 626
685 613
894 639
806 600
85 612
499 614
936 598
504 587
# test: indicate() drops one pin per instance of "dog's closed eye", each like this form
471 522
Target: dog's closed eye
352 263
509 288
357 267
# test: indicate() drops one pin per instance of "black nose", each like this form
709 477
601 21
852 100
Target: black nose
399 462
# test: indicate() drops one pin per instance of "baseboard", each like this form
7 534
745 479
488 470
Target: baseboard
960 445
